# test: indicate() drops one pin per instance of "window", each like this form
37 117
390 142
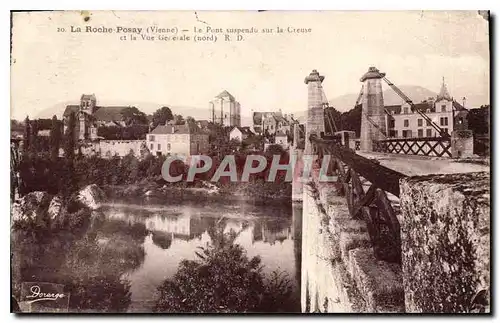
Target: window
405 110
443 108
445 130
168 146
151 138
151 147
395 133
443 121
405 133
428 123
420 122
159 147
420 133
392 123
406 122
428 133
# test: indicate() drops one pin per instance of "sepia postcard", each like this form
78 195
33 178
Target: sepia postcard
250 162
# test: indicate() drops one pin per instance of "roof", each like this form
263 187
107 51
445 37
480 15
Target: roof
88 96
457 106
443 93
71 108
373 73
423 106
178 129
257 117
225 94
102 113
396 108
109 113
203 123
278 116
244 130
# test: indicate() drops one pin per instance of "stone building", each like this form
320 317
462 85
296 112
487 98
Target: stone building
442 110
281 139
90 116
240 133
272 122
180 140
225 110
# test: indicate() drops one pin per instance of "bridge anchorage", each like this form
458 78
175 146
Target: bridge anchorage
382 235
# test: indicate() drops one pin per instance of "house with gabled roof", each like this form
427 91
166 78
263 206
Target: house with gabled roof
281 138
240 133
443 110
178 140
272 122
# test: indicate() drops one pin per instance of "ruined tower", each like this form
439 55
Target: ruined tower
373 120
315 119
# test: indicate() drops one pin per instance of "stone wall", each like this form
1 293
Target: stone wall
462 144
339 271
297 185
446 242
118 147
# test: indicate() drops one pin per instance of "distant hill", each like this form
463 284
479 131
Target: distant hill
414 92
146 107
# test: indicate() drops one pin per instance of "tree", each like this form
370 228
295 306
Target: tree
162 116
274 149
133 116
191 122
55 139
68 171
330 113
34 142
178 119
351 120
69 138
222 279
27 135
477 120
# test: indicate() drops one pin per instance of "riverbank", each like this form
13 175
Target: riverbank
252 193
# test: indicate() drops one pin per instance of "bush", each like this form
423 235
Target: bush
223 280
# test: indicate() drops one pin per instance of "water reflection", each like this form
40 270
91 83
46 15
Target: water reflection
129 250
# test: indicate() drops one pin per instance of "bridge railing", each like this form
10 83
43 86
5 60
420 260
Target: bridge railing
373 206
425 146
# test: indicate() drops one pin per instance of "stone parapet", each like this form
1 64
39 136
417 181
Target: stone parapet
462 144
340 273
446 242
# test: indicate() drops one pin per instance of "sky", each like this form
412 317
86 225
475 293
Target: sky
265 72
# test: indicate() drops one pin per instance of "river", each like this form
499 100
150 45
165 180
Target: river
121 257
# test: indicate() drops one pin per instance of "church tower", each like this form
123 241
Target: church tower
87 109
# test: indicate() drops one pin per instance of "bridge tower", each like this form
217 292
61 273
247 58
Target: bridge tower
315 118
373 119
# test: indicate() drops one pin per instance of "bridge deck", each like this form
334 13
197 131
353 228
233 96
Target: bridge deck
411 165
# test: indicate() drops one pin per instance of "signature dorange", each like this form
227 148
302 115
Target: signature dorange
45 296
